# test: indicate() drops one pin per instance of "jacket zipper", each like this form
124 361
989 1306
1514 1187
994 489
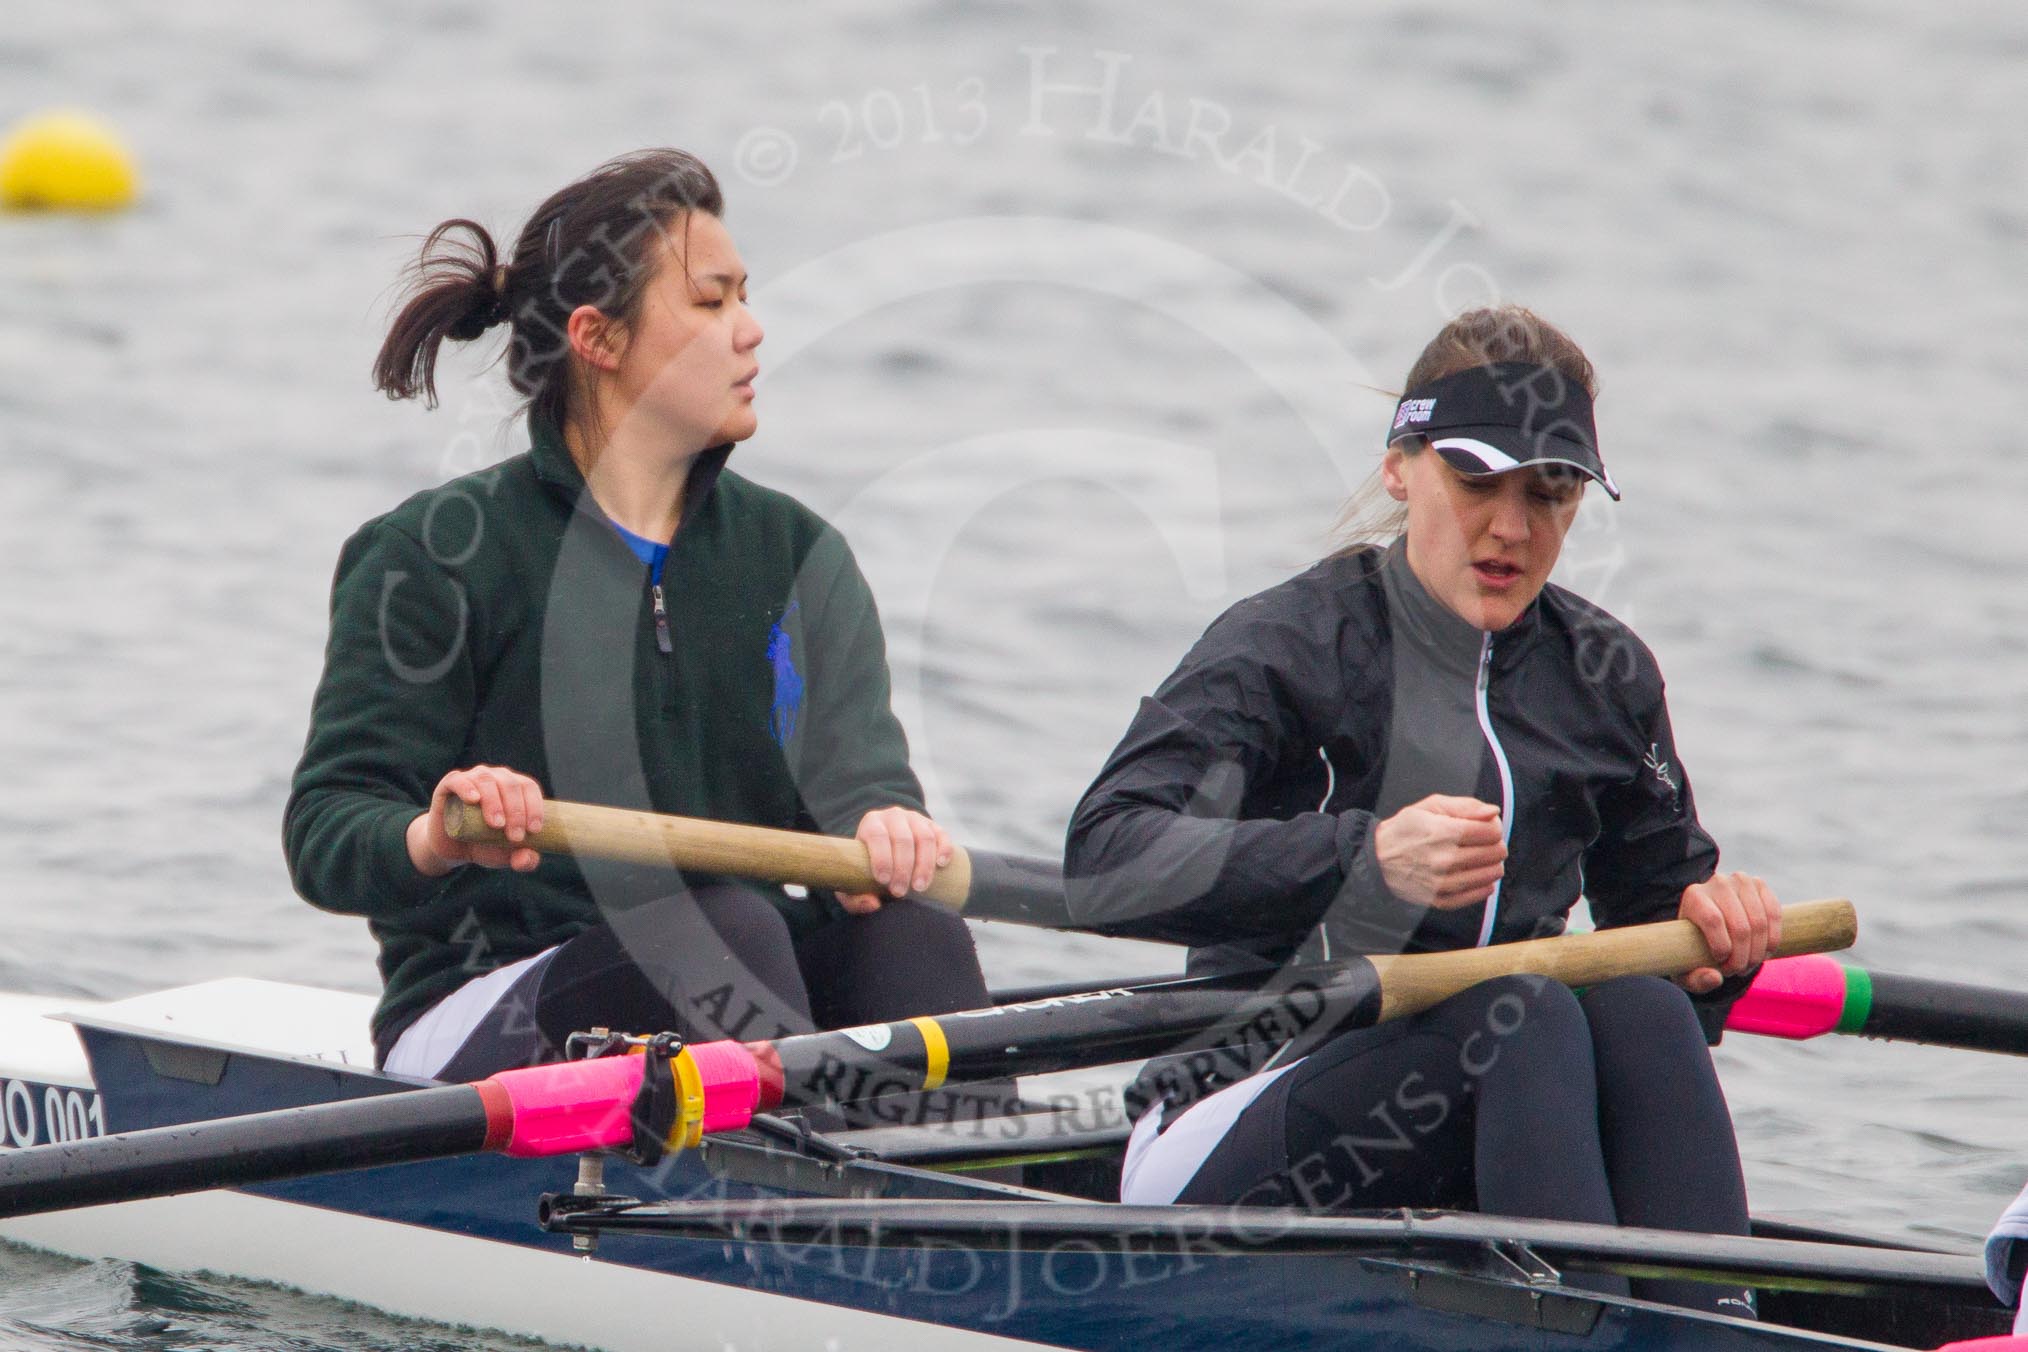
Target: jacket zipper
661 619
1506 781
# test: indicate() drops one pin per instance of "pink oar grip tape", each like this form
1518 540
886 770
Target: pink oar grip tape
572 1106
1792 998
588 1105
731 1084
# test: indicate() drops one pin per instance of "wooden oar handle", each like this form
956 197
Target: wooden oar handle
663 841
1416 981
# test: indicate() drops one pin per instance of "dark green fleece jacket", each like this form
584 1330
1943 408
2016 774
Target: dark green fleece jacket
500 620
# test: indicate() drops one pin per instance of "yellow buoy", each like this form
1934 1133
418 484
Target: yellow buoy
67 162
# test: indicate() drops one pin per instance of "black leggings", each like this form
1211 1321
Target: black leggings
1515 1098
720 962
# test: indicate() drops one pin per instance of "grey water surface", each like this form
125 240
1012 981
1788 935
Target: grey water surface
1078 317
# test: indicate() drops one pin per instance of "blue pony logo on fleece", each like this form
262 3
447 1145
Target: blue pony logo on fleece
788 705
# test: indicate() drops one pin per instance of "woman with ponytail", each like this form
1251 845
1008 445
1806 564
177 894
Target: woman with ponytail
617 617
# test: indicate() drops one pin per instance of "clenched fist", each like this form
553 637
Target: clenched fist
1444 851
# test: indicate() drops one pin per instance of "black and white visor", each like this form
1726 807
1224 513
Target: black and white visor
1490 419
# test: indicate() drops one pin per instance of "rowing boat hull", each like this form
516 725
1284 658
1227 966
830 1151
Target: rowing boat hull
733 1265
453 1241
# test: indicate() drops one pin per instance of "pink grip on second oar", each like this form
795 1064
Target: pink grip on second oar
731 1084
573 1105
1792 998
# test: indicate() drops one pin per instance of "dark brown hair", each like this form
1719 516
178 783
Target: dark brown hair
595 242
1475 338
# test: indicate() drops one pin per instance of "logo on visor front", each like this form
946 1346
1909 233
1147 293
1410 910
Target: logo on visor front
1413 411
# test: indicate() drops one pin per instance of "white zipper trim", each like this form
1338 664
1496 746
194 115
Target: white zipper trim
1506 781
1330 787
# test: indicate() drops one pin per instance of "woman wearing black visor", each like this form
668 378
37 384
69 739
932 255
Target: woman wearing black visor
1416 745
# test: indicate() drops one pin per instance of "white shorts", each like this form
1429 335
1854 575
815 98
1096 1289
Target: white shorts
427 1045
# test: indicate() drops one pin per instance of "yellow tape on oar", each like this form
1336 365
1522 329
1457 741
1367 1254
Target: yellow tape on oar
936 1052
688 1129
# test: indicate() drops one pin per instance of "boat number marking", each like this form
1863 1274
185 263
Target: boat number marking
43 1114
874 1037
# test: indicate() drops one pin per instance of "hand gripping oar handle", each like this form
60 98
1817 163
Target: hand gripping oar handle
1416 981
983 886
1097 1027
664 841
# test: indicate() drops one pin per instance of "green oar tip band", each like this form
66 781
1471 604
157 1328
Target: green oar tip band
1858 1000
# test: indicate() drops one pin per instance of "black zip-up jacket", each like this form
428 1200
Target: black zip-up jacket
499 619
1237 813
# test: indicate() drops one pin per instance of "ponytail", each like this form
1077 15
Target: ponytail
457 289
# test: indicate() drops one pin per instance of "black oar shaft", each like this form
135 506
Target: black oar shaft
1945 1013
1018 890
1051 990
322 1138
1092 1028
